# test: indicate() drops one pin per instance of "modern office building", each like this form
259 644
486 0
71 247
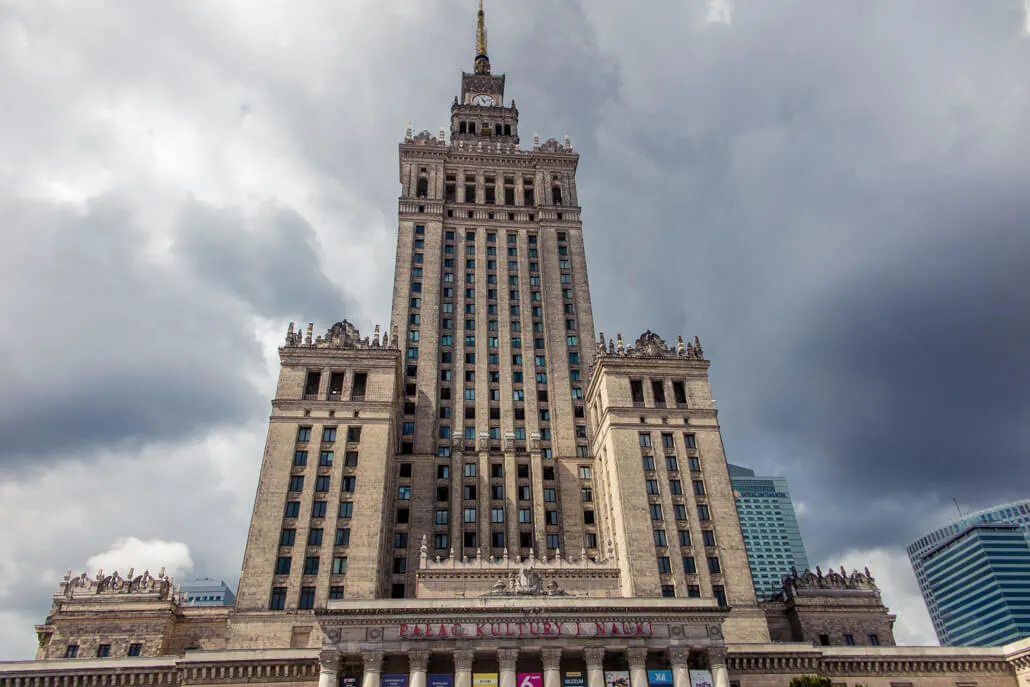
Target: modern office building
1016 513
770 527
488 494
206 591
980 579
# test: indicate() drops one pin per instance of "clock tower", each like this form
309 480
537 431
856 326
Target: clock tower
480 115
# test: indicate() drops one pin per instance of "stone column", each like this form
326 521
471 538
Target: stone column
717 660
594 657
506 659
552 667
329 668
373 661
463 668
678 657
417 662
637 657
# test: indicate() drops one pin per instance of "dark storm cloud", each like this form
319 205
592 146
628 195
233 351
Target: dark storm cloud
270 261
116 344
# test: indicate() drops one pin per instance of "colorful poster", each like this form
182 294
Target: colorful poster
349 681
659 677
616 678
574 679
701 678
531 680
484 680
441 680
395 680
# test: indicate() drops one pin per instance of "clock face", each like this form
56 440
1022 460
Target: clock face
483 100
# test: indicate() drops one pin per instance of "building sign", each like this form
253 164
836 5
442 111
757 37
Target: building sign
484 679
659 677
701 678
441 680
616 678
543 629
395 680
573 679
531 680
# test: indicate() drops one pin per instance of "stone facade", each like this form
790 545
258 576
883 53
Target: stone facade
487 487
835 609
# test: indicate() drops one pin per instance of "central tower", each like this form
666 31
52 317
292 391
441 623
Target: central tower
492 304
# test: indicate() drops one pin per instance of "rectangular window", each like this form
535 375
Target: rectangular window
497 515
708 537
404 493
671 464
311 565
645 439
315 536
442 517
664 565
719 592
287 537
443 472
652 487
339 565
524 516
874 640
699 488
277 602
300 458
680 392
675 487
660 539
680 511
325 459
667 441
695 463
282 565
584 472
335 593
550 496
353 434
342 536
349 484
656 511
713 565
849 639
690 440
135 649
684 536
470 469
103 651
292 509
689 566
440 541
346 509
703 514
648 462
469 515
303 434
297 483
586 494
553 541
307 598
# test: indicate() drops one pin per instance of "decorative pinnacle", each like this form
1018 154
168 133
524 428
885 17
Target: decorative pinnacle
482 64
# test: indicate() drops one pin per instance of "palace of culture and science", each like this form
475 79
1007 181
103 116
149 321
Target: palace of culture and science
488 494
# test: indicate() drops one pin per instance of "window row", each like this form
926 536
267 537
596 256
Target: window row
306 600
334 390
325 459
318 509
668 440
679 392
329 434
103 650
288 537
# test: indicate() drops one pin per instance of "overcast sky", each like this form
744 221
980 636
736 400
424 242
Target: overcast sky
832 194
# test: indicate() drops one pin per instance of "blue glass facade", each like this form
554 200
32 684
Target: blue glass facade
1016 513
770 527
981 585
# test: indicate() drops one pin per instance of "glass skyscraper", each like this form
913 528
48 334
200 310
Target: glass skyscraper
981 585
770 526
938 544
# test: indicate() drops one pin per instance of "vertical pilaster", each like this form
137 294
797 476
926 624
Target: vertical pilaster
373 661
417 662
463 668
329 668
506 659
594 657
637 657
552 667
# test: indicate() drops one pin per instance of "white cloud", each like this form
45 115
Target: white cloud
153 554
899 589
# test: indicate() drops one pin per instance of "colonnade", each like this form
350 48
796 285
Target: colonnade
418 663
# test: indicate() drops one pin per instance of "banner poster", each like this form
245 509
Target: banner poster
349 681
616 678
441 680
483 680
701 678
659 677
573 679
395 680
531 680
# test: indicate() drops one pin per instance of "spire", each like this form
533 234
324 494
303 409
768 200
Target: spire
482 65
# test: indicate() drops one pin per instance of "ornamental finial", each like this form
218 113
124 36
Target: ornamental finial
482 64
